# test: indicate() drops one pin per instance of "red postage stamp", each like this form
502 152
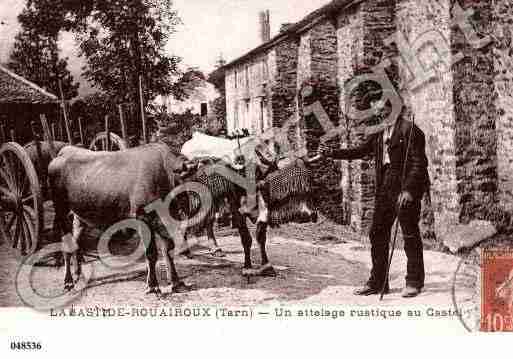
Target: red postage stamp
497 290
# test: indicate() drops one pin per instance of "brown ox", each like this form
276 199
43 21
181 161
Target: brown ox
103 188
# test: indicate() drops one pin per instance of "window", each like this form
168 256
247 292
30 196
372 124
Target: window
236 116
247 76
247 115
262 126
264 71
204 109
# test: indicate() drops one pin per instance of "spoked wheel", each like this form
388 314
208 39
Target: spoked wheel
99 143
21 202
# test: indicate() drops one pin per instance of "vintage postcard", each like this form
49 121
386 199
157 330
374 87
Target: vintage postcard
344 162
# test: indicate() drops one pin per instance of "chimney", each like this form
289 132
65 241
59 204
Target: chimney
265 26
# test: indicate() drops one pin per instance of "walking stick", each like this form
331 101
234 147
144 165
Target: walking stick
403 175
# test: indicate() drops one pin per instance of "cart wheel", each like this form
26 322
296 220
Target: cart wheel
21 203
99 143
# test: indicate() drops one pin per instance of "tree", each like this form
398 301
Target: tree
184 86
121 40
36 57
124 39
93 108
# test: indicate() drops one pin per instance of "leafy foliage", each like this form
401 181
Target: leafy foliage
188 81
93 109
119 39
124 39
36 57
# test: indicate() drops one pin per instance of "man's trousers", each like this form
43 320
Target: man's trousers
385 213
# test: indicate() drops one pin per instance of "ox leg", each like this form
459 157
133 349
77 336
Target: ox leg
68 278
246 240
216 251
78 230
261 232
151 260
70 248
187 250
178 286
62 230
261 236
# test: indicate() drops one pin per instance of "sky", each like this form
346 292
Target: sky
210 28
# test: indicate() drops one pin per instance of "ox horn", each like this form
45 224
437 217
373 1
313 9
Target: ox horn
190 166
310 160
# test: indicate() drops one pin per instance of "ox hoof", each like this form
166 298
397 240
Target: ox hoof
217 252
68 287
267 271
153 290
181 287
314 217
249 272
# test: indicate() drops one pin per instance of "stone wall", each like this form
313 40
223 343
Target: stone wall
284 88
304 64
432 104
323 78
503 81
378 25
361 33
475 115
465 108
350 49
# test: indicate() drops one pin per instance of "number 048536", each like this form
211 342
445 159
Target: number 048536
26 346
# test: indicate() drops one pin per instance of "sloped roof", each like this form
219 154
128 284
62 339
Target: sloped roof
292 30
16 89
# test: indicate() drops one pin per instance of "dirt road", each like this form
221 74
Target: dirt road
308 271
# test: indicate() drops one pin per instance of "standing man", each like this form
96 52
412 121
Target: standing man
401 184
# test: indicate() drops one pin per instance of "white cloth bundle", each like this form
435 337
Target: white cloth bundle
202 145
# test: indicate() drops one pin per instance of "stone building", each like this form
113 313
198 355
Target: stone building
465 109
198 100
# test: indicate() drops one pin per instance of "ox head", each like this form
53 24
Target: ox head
284 185
283 182
269 153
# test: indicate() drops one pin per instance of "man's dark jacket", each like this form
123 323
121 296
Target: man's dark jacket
416 177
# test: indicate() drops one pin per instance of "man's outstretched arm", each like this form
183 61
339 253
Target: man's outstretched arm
358 152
